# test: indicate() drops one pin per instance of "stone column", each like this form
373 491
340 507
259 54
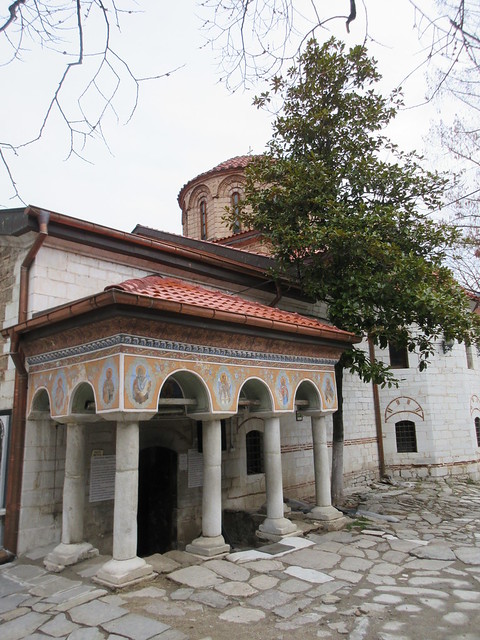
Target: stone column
323 509
211 542
72 548
275 525
126 567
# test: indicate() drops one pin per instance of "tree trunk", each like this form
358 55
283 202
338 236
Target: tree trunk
337 449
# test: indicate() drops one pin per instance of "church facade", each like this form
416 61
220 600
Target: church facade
151 384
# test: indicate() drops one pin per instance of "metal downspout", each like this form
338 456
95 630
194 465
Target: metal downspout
17 442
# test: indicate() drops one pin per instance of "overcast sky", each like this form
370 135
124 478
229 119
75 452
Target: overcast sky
184 125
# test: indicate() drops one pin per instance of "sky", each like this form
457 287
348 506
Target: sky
185 123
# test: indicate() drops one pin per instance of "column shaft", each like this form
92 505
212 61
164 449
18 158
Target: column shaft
273 468
74 485
211 542
126 492
212 479
320 462
275 525
323 509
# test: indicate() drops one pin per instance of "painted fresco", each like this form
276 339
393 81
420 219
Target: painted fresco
224 388
283 391
145 375
142 383
61 382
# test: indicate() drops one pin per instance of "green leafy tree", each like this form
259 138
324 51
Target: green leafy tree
347 215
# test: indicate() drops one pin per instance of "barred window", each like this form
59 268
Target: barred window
203 219
477 430
254 444
398 356
236 212
406 436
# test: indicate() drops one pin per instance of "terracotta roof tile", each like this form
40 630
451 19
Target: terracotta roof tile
178 291
238 162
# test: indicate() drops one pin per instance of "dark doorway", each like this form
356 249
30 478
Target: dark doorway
157 501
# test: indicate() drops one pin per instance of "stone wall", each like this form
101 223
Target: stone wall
58 276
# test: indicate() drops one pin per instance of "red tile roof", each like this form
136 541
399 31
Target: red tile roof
184 293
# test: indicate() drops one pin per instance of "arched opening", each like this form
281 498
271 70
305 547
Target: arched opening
255 396
182 393
83 399
307 397
41 401
157 501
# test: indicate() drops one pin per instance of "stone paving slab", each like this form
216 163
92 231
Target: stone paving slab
415 570
95 613
135 627
20 627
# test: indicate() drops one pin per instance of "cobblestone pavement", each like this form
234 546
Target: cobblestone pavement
407 567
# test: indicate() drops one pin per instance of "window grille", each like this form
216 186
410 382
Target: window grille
254 444
236 212
398 356
203 219
477 430
406 436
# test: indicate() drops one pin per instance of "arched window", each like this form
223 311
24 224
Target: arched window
237 227
406 436
254 444
477 430
203 219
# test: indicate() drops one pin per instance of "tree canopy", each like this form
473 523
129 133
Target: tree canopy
348 214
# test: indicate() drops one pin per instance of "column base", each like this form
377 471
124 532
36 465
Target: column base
325 513
206 546
65 555
276 528
124 573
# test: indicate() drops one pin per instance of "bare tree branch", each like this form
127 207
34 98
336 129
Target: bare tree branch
93 65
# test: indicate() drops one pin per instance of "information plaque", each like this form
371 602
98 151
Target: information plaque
102 478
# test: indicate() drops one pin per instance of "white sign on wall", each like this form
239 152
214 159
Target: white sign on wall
102 478
195 469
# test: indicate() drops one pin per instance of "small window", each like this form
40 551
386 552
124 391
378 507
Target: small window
254 444
200 436
203 219
398 356
406 436
469 354
237 227
477 430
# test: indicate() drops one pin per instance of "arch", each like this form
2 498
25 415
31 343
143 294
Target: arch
403 404
191 386
307 391
474 405
83 399
256 395
230 184
41 400
199 192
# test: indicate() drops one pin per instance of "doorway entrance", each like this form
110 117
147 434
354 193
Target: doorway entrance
157 501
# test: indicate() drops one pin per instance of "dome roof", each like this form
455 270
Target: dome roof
238 162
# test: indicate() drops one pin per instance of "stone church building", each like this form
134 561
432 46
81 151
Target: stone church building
151 384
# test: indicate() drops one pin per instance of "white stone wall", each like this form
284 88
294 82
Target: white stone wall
439 402
42 486
58 276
